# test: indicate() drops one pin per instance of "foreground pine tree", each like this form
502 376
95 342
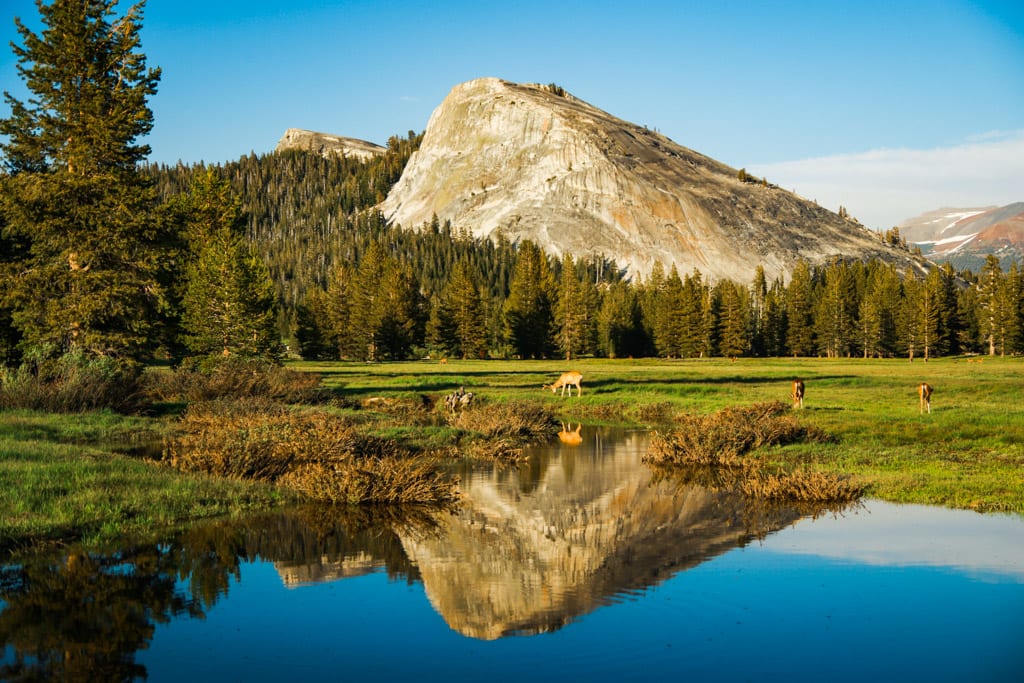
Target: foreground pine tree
89 279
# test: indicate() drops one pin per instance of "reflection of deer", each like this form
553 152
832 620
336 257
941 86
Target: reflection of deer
798 393
568 379
924 392
571 438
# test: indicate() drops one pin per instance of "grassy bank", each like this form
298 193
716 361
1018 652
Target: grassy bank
91 477
94 477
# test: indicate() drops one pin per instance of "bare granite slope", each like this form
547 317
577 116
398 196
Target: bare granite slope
533 162
324 144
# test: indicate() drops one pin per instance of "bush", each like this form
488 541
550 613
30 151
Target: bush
238 378
722 438
316 454
73 383
710 449
528 422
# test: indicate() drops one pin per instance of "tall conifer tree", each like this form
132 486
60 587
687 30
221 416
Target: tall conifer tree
89 281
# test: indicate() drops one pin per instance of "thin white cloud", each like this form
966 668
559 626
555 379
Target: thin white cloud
886 534
886 186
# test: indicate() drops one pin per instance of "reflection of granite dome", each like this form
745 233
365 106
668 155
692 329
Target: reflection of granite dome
594 527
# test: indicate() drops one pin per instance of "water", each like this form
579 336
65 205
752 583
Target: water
575 565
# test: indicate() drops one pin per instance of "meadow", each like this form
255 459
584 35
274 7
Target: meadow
96 476
967 453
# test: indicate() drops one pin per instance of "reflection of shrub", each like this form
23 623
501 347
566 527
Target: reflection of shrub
802 485
710 450
72 383
319 455
235 377
375 479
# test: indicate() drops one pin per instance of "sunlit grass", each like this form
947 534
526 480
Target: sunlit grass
61 481
969 452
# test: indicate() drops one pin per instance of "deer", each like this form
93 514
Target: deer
798 393
568 379
924 392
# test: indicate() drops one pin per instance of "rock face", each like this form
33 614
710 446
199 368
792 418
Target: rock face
324 144
533 162
966 236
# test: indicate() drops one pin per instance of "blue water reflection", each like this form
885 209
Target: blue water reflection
622 577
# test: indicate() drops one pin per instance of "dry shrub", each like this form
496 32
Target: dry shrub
73 383
722 438
258 439
371 480
522 421
236 378
319 455
709 450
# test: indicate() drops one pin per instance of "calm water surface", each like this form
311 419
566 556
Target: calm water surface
575 565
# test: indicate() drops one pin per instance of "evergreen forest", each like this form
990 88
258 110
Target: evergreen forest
350 286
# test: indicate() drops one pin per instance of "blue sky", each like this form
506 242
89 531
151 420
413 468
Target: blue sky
888 108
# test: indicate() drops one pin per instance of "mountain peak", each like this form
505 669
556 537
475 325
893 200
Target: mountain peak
326 144
532 161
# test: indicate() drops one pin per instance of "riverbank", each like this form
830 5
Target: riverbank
93 477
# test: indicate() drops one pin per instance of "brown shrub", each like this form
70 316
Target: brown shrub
73 383
722 438
258 439
709 450
522 421
236 378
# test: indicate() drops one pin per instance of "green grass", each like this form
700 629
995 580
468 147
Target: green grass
82 477
968 453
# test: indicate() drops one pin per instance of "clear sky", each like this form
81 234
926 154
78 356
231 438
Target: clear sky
890 108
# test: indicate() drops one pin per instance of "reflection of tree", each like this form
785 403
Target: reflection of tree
83 619
84 616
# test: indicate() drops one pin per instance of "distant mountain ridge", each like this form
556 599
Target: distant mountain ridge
324 144
533 162
966 236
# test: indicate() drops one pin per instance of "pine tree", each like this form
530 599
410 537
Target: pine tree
995 315
799 303
230 308
572 315
468 324
669 325
733 319
620 324
528 309
90 280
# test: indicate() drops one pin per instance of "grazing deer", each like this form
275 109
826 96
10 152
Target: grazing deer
924 392
568 379
798 393
570 437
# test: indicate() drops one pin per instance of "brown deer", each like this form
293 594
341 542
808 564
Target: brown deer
924 392
568 379
798 393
